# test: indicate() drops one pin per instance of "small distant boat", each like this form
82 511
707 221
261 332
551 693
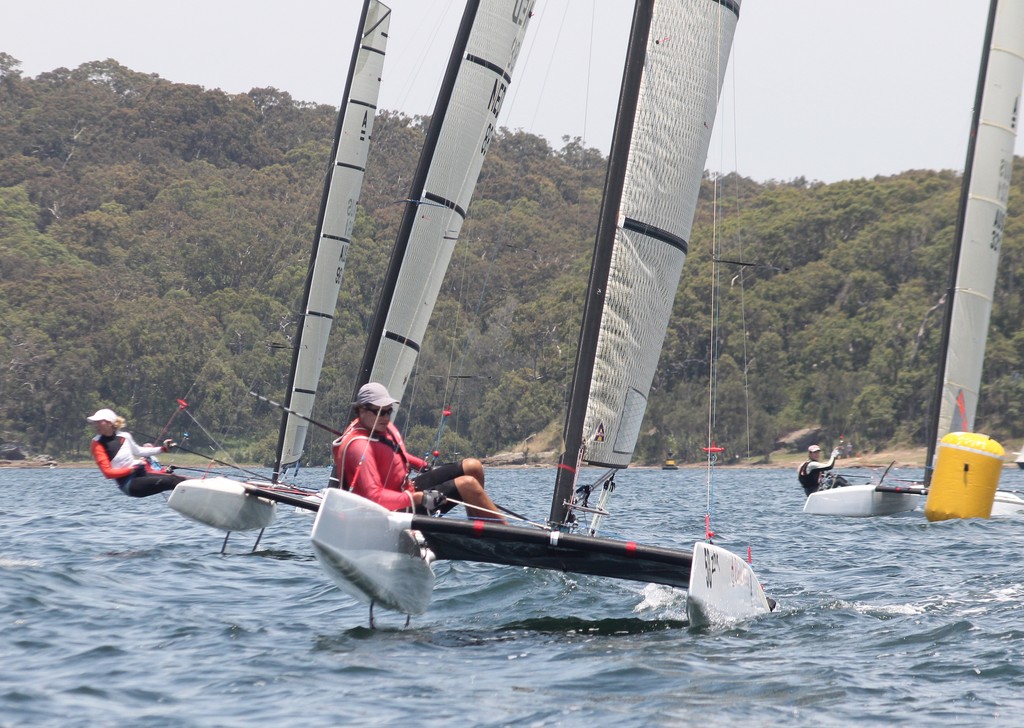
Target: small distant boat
670 463
1020 460
973 267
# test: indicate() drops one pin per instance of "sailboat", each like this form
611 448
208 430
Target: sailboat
357 542
462 126
672 77
228 504
979 232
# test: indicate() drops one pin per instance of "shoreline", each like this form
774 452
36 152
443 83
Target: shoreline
901 458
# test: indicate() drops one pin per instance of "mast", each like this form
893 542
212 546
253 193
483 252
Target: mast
979 227
335 220
618 156
673 74
461 128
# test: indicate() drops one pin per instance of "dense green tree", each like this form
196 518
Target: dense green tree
155 238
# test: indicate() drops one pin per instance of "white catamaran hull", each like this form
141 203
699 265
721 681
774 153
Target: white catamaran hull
1007 504
221 503
723 588
371 553
860 501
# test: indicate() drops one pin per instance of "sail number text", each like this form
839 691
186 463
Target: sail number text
710 565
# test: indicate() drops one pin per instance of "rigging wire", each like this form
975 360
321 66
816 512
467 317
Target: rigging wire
711 449
231 461
717 261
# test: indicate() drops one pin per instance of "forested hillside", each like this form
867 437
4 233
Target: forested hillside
154 239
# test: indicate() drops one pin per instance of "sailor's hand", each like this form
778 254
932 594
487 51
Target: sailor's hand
432 500
169 445
835 452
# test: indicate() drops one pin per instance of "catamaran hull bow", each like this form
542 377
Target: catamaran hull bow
222 503
371 554
723 588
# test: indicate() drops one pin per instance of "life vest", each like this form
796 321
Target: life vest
381 470
809 478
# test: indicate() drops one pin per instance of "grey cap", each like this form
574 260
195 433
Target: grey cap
814 448
375 394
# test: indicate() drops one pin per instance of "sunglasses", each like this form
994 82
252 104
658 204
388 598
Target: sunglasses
385 411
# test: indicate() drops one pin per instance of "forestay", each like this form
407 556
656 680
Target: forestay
334 227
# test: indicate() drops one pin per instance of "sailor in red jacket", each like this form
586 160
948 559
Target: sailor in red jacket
373 462
121 459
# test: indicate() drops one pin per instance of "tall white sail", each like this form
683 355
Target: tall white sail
463 124
663 131
987 186
671 133
334 229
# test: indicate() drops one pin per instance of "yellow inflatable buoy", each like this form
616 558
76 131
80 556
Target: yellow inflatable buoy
966 477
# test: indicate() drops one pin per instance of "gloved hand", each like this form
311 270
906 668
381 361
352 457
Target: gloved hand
432 500
169 444
835 452
140 470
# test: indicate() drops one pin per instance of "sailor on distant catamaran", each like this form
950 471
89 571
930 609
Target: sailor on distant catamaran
812 471
374 463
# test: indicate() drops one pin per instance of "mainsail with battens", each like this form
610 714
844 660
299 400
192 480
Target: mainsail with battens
462 126
979 232
334 228
231 505
667 108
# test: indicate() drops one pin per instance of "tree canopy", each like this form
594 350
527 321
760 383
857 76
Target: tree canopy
154 239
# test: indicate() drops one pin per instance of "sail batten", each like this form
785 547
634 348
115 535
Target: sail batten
334 228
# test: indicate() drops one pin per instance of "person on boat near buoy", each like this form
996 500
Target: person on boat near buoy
812 470
373 462
121 459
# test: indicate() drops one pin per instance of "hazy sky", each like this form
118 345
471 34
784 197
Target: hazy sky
824 89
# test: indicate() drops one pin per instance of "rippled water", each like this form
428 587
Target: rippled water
117 611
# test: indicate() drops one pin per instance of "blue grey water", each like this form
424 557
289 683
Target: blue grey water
118 611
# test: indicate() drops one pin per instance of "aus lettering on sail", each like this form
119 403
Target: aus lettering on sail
521 12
